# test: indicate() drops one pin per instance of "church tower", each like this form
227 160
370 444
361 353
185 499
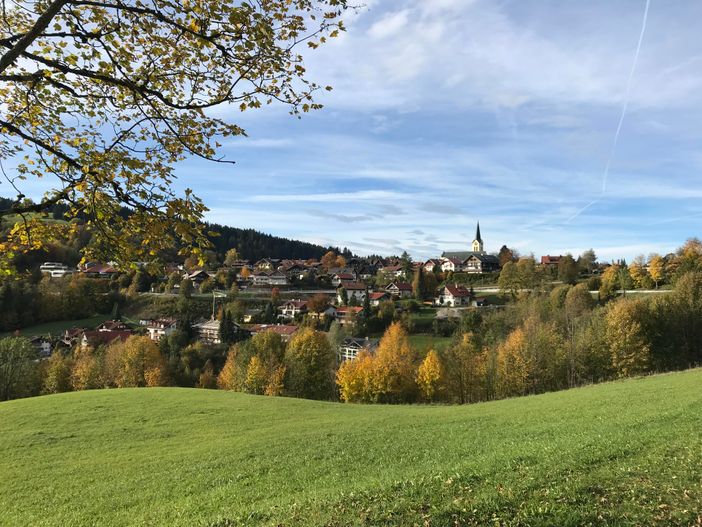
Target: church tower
478 242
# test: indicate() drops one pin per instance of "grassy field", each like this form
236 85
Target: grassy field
624 453
57 328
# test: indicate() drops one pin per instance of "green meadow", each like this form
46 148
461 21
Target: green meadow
622 453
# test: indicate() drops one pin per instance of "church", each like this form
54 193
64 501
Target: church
474 261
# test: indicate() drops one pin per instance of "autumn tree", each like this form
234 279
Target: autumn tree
513 366
638 273
256 376
57 378
231 257
431 376
310 362
508 281
139 363
107 96
228 378
507 255
355 379
86 373
207 378
568 269
609 283
465 366
394 377
656 268
318 303
625 334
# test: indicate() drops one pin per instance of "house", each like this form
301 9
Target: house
267 264
350 347
549 260
452 264
431 264
208 331
395 271
197 277
353 290
103 337
292 308
340 278
113 325
285 332
481 263
399 289
273 278
379 296
55 269
42 345
160 327
452 295
348 314
97 270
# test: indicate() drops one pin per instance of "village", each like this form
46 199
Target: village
360 295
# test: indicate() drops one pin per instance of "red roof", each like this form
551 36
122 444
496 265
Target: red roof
550 260
275 328
377 296
97 337
354 286
457 291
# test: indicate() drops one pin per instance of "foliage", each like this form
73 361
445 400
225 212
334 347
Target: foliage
57 377
136 362
139 82
625 334
310 362
17 367
431 376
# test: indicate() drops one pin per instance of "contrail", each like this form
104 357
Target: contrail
605 174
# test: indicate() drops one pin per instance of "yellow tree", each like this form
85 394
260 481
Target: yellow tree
57 378
609 283
276 382
141 364
107 96
86 372
245 273
355 379
228 378
513 367
638 273
656 268
394 376
629 347
256 376
430 376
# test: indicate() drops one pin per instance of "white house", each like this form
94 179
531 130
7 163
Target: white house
452 295
160 327
292 308
399 289
355 290
350 347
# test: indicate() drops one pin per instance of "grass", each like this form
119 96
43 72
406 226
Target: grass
623 453
57 328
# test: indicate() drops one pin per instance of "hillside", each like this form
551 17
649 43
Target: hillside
623 453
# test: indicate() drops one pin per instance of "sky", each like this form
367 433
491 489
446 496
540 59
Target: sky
449 112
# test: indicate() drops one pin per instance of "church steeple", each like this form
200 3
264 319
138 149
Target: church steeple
478 242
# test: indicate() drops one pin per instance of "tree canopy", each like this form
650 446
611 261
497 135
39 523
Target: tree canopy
103 97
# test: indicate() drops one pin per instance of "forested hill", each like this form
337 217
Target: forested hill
255 245
251 244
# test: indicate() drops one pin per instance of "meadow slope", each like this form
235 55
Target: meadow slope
622 453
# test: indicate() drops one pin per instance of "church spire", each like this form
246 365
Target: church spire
478 242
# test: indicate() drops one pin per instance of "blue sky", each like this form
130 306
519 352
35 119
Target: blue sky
445 112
